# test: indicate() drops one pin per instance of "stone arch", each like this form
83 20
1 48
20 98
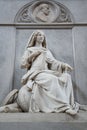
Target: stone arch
58 13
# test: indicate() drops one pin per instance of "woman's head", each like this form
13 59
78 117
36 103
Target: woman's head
40 37
37 36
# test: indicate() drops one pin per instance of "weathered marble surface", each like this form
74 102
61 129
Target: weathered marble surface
46 86
57 41
80 62
7 56
41 121
42 117
76 37
9 8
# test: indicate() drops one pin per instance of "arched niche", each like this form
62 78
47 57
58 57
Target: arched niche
44 12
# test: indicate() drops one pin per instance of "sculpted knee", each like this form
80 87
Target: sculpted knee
23 98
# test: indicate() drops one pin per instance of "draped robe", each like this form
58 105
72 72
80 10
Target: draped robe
52 89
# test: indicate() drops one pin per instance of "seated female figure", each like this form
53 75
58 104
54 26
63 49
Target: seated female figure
47 86
47 79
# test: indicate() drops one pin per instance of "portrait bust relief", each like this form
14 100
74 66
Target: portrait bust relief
45 12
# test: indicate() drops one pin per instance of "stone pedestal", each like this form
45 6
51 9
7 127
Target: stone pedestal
41 121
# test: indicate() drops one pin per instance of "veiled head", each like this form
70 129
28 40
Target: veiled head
37 36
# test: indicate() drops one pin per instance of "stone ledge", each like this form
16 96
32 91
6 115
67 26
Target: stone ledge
43 117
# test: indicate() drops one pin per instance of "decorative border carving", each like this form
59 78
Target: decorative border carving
58 13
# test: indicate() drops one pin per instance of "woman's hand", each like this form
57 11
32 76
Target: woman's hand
68 67
33 56
24 79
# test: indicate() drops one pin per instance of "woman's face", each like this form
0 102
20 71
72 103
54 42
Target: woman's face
40 37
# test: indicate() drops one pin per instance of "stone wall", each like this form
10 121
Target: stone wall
67 43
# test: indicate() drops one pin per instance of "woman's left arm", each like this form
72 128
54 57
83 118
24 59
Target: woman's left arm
57 65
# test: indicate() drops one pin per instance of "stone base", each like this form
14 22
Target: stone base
41 121
43 117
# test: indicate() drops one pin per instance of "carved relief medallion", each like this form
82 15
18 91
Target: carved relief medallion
44 11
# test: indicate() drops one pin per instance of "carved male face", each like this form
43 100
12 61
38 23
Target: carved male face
40 37
45 9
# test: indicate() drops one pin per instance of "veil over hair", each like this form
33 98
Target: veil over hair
32 39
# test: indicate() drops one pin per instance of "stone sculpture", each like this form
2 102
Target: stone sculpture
47 86
44 11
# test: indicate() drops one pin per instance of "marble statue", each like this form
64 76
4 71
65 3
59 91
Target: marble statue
46 86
